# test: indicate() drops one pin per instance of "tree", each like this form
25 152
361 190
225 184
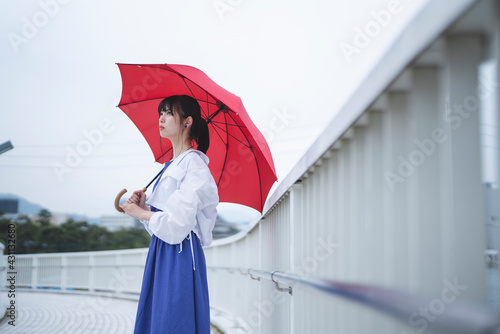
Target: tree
98 238
44 217
27 235
49 239
40 236
129 238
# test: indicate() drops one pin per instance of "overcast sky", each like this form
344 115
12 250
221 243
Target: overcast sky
293 63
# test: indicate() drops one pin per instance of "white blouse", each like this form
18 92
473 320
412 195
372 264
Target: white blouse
188 197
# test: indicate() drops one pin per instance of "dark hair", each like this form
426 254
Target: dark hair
187 106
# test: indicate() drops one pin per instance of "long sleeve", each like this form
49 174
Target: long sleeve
194 201
145 223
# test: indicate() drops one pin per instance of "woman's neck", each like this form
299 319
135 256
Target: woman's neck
180 148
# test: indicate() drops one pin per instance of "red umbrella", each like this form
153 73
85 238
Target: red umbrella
240 159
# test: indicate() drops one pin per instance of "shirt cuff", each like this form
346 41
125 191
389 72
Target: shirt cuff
145 223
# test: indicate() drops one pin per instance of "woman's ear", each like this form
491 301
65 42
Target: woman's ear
188 122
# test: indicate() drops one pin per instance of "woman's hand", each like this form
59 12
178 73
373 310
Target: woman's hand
138 198
135 211
136 206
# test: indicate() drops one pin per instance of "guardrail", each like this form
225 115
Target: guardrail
460 317
391 195
116 271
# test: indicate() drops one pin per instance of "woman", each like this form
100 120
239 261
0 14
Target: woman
181 215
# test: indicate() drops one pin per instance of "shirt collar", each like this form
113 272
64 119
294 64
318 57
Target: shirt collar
178 160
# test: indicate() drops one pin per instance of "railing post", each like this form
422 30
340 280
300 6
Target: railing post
423 200
34 272
91 273
494 270
118 263
462 219
214 286
64 272
259 294
295 222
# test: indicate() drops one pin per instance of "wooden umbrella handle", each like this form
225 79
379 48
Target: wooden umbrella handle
119 196
117 200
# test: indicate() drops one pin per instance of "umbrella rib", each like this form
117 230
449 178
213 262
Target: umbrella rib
192 94
219 134
194 83
227 132
225 156
244 127
208 106
202 111
145 100
161 156
158 98
256 163
184 79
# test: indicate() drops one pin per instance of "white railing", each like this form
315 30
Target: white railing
389 196
118 272
99 274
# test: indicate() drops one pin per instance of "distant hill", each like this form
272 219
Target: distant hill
25 206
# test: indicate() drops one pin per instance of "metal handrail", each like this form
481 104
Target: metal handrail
459 317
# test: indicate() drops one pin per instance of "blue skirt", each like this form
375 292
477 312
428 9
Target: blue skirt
174 293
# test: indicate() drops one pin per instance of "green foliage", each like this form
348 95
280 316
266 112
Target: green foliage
44 217
39 236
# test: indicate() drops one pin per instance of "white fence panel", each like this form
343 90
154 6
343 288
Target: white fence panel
390 196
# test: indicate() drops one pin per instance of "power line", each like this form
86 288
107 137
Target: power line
78 167
73 144
103 155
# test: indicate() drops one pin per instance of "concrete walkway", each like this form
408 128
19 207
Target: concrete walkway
58 313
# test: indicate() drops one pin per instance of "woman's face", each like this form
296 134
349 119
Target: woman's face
169 124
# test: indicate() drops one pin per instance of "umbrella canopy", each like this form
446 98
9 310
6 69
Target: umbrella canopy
240 159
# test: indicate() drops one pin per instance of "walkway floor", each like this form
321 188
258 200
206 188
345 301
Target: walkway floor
54 313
